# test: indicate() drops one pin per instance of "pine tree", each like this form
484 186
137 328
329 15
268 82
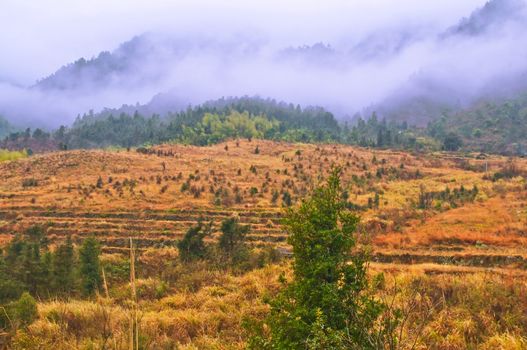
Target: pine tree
232 235
25 310
286 199
192 246
63 267
90 266
45 280
376 200
380 138
9 287
31 267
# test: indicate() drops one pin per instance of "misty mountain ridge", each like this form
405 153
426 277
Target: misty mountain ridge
108 67
493 15
115 67
427 95
407 72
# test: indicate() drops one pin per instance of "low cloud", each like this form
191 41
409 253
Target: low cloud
345 55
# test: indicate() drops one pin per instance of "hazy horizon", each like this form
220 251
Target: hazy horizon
201 50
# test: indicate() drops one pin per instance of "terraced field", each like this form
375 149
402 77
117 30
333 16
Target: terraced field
154 195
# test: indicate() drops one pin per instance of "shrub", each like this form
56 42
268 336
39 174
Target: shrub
6 155
31 182
25 310
192 247
232 235
286 199
452 142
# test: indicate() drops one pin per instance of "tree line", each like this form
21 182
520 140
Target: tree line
28 264
495 127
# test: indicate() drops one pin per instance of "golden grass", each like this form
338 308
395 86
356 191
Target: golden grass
210 318
474 305
6 155
494 222
155 210
475 309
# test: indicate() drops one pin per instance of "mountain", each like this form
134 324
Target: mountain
123 66
494 15
385 44
412 72
497 126
161 104
471 75
209 123
316 54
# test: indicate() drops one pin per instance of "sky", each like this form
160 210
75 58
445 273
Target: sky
40 36
374 50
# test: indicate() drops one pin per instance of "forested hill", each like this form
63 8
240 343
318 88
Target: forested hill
497 127
494 127
427 95
216 121
209 123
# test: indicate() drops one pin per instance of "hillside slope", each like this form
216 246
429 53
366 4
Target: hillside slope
409 204
498 127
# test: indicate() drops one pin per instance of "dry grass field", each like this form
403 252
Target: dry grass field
462 254
155 197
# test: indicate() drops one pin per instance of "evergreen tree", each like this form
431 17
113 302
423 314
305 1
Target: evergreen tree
327 304
380 138
232 235
376 200
452 142
25 310
10 288
90 266
192 246
63 267
286 199
27 267
13 258
45 279
31 271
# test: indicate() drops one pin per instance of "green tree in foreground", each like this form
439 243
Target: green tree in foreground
10 288
90 266
328 304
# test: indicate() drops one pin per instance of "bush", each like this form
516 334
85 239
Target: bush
6 155
452 142
25 310
192 247
29 182
232 236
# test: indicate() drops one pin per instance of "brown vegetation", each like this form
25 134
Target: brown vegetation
458 254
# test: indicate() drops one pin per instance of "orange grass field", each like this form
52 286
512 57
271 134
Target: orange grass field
115 194
457 268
